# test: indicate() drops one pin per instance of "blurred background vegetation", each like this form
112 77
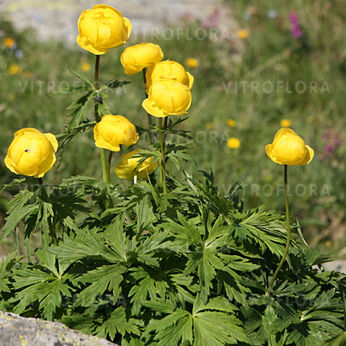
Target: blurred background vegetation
290 66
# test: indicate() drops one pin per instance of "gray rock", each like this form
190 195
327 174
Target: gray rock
339 266
20 331
57 19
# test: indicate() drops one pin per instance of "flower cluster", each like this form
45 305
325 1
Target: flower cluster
168 83
168 89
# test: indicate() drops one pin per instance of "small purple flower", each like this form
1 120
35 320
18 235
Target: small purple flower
329 148
295 27
333 141
212 20
186 16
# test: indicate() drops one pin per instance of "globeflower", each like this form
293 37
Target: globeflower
113 131
243 34
31 153
85 66
289 149
286 123
14 69
167 97
233 143
169 69
231 123
9 42
130 166
192 62
135 58
102 28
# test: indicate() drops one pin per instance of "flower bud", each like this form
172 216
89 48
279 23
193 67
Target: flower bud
130 166
31 153
289 149
167 97
101 28
113 131
135 58
169 69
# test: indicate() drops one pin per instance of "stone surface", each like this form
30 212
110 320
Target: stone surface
339 266
58 18
19 331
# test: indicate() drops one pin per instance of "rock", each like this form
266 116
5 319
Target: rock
339 266
57 19
20 331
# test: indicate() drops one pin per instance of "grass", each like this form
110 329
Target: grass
258 90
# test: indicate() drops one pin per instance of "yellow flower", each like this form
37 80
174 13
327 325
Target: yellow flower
231 123
9 42
192 62
233 143
328 243
243 34
113 131
289 149
209 125
130 166
286 123
169 69
31 153
14 69
86 66
167 97
101 28
135 58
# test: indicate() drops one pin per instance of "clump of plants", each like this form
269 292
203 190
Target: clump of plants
159 259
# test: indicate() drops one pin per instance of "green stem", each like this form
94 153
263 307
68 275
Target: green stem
105 169
48 237
162 138
288 228
109 163
52 233
105 174
344 305
28 249
96 73
150 120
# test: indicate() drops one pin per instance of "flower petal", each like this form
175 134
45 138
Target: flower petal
191 79
309 155
152 109
52 139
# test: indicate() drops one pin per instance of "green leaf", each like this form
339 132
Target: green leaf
339 340
145 215
6 265
107 277
78 110
17 211
87 244
82 77
118 323
115 83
